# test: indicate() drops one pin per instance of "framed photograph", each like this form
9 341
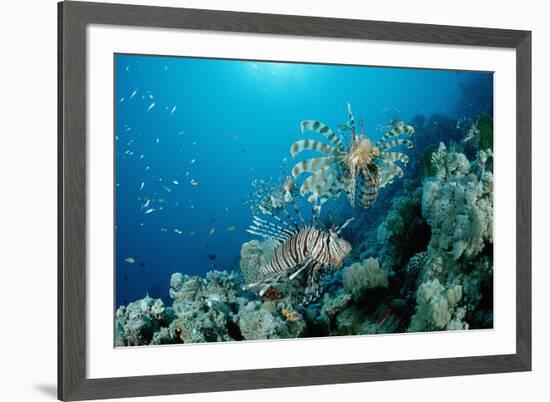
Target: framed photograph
257 201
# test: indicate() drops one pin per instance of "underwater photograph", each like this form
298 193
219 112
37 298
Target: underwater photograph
261 200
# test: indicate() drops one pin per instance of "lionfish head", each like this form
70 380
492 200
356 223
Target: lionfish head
341 250
361 153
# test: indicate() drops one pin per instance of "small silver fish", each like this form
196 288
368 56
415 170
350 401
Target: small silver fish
149 211
152 105
130 260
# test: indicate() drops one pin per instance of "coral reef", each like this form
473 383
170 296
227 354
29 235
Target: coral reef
136 323
359 277
456 270
267 320
204 308
254 254
437 308
458 204
404 231
424 264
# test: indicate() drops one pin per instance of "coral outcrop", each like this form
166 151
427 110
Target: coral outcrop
359 277
458 204
253 254
268 320
136 323
456 270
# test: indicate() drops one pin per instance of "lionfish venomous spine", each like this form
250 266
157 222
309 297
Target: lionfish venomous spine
299 248
359 170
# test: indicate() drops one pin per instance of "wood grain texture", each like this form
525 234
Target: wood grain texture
73 19
523 200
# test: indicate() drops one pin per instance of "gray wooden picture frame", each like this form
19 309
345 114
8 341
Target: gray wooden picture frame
73 18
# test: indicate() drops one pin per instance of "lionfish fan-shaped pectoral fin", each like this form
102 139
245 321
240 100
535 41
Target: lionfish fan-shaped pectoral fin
392 157
314 284
322 128
318 183
398 129
311 165
389 174
390 144
311 145
335 188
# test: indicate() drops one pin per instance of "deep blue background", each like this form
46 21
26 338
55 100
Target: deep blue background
237 119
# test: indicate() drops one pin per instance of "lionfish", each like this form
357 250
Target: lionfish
298 248
363 167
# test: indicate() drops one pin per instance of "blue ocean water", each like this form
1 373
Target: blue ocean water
192 134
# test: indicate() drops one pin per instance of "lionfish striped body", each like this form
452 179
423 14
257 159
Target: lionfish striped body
300 248
359 170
